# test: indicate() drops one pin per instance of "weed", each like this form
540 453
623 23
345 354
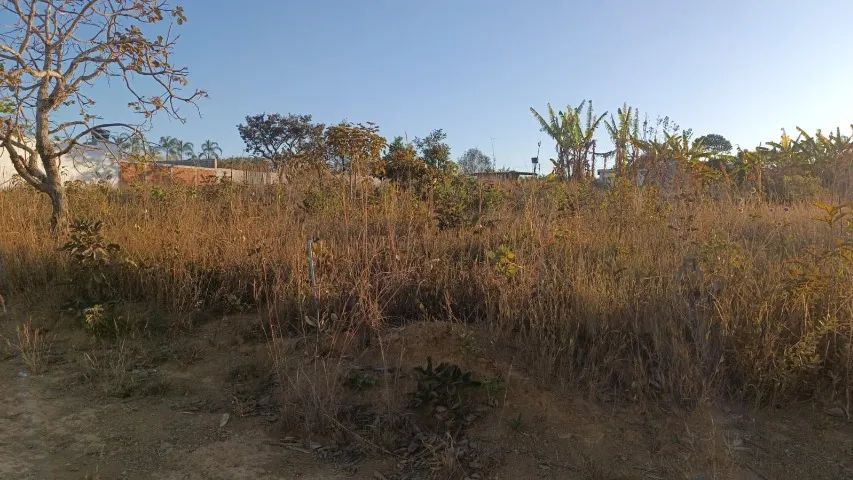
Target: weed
91 258
494 388
516 424
360 381
441 387
33 346
503 261
102 320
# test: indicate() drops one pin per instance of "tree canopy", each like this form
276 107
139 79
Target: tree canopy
475 161
281 139
715 143
434 149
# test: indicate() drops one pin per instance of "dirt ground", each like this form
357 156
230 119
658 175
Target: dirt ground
206 406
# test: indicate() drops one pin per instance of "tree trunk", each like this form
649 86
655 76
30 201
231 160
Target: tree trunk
52 187
59 206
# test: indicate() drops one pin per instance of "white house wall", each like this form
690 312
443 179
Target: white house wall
85 163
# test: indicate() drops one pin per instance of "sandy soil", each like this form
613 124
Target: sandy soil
160 416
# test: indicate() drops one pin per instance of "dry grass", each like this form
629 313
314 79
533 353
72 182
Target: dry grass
619 293
33 346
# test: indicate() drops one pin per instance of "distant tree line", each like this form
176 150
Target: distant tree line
288 142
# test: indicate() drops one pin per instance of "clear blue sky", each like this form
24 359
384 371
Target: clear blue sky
742 68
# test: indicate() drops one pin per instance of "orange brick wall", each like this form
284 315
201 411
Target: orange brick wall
130 173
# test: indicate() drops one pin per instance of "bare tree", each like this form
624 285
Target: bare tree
53 51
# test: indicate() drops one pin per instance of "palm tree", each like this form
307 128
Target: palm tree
133 143
184 149
575 141
175 148
167 146
210 150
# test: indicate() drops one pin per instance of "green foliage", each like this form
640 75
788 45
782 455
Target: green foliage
91 260
475 161
574 134
462 201
435 151
356 148
404 166
797 188
828 158
623 130
360 381
320 200
131 144
715 143
99 134
93 264
283 140
210 150
103 321
503 261
441 386
494 387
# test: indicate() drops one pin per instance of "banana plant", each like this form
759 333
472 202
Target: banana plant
785 151
623 130
821 149
751 166
574 138
660 157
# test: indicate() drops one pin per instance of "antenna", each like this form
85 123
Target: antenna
535 160
494 158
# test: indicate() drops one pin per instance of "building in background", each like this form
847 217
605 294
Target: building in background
96 163
502 175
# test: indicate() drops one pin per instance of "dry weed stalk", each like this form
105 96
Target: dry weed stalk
33 345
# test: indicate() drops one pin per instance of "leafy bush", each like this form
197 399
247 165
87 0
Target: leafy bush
92 260
442 386
463 202
503 261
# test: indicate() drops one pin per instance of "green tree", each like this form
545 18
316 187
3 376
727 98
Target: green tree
475 161
356 149
166 146
402 163
99 135
283 140
210 150
715 143
434 150
183 150
132 144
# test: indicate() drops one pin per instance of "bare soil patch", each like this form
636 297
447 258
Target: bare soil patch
208 406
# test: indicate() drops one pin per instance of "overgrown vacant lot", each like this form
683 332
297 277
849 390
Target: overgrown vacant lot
514 330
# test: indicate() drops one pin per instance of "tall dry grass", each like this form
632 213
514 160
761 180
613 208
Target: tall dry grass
616 293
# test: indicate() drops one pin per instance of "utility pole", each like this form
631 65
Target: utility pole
535 160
